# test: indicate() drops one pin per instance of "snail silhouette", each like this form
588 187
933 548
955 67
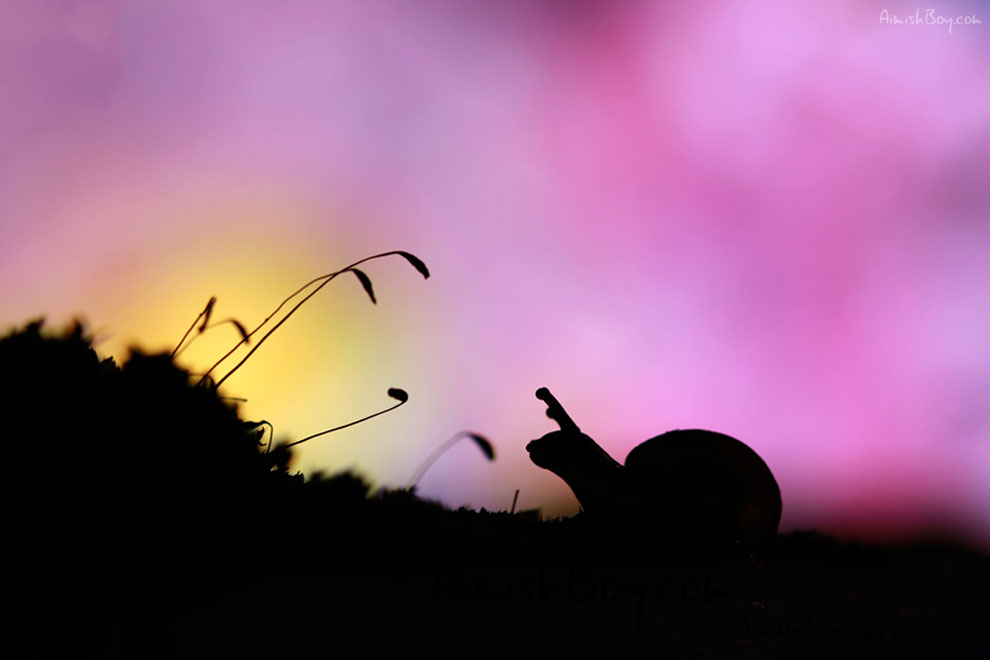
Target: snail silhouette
688 486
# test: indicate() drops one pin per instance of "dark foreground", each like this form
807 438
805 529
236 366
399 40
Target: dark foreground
144 518
395 576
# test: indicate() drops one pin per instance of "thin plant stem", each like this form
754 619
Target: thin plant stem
206 312
344 426
425 465
177 351
267 319
326 280
277 326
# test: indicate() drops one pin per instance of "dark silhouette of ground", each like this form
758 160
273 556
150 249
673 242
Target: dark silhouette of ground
145 519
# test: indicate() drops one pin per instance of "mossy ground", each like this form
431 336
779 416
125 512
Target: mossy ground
145 520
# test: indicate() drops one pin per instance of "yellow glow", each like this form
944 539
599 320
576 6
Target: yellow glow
329 364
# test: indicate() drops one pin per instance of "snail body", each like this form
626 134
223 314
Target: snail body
689 486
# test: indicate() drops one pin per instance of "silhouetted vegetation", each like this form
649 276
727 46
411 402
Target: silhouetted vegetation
146 518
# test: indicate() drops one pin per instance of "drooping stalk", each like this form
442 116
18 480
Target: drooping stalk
394 392
482 442
203 328
205 313
326 279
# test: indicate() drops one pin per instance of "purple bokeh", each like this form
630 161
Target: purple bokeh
767 219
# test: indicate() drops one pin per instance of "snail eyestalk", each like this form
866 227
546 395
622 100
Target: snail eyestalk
556 412
394 392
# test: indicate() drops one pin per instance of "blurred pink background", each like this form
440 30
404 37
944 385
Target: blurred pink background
767 219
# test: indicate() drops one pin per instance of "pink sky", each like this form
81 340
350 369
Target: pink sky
766 219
